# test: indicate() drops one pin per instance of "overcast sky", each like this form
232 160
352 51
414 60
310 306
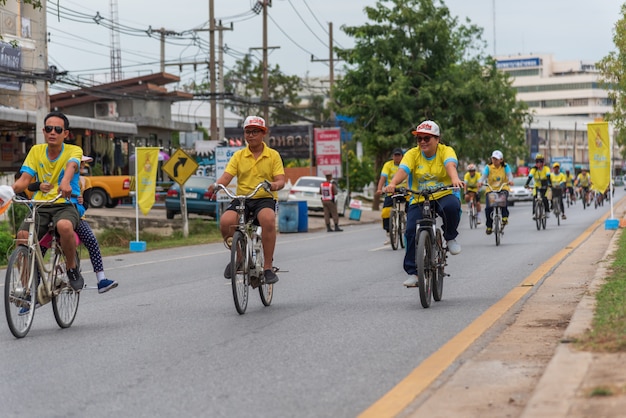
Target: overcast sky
568 29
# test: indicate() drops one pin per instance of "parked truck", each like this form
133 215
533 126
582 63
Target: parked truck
106 191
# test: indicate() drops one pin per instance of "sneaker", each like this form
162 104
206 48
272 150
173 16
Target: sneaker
76 279
24 310
478 221
270 277
563 216
387 241
105 285
505 220
454 247
410 282
488 231
227 272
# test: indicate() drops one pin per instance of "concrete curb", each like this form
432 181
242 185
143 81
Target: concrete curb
565 374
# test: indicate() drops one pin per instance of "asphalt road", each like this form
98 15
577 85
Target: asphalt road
340 334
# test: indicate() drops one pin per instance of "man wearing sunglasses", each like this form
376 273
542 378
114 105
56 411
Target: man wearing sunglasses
253 165
429 165
55 164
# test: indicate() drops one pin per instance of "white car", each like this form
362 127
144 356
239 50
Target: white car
307 188
518 192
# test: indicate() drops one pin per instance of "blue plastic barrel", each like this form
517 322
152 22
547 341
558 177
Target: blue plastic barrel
288 217
303 216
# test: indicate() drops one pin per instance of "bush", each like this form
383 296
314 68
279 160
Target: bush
6 244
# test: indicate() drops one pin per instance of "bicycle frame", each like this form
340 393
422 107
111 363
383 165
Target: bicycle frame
397 220
496 214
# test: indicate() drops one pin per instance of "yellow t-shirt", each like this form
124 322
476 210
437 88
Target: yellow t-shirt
428 173
569 180
38 165
540 176
471 182
250 171
583 181
389 170
557 179
497 177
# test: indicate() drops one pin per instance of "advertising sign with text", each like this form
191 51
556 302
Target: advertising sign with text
328 151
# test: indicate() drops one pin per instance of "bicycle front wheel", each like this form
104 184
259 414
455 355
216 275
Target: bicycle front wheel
20 293
64 299
239 271
472 215
393 229
424 261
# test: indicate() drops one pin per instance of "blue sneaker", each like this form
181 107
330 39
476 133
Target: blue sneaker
105 285
26 309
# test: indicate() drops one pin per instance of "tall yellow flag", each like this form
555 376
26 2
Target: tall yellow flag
146 163
599 155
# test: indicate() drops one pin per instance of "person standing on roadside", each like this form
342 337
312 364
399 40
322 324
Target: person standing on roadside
329 190
252 165
55 164
429 165
388 171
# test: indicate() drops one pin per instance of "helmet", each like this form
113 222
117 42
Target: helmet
555 165
539 157
471 167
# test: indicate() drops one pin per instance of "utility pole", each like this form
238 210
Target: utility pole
222 133
163 32
331 63
116 52
213 122
41 63
265 48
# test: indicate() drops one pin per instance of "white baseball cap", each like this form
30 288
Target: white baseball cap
497 154
6 197
427 127
256 121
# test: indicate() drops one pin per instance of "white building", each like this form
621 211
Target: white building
563 97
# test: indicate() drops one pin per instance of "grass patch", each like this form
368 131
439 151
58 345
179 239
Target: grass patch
608 333
117 241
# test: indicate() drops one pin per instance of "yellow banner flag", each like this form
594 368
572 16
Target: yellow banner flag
599 155
146 160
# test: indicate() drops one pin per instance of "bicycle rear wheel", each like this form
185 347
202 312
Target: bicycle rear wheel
424 260
239 271
266 291
20 293
65 299
440 261
402 228
497 225
538 213
393 229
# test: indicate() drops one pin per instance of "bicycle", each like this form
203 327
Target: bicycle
246 254
497 200
472 213
568 197
598 199
557 192
31 281
430 253
539 211
397 221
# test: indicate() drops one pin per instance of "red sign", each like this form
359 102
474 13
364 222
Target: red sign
328 151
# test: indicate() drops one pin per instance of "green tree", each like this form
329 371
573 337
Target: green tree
414 61
613 77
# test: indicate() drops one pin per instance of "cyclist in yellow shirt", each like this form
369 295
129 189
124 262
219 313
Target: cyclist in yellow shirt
569 185
583 181
253 165
471 179
558 186
388 171
541 175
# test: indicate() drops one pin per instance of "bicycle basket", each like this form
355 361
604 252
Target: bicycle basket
497 199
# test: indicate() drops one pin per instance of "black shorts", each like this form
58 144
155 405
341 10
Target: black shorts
53 213
254 206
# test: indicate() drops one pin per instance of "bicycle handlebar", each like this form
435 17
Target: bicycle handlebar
264 184
426 192
20 200
494 190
